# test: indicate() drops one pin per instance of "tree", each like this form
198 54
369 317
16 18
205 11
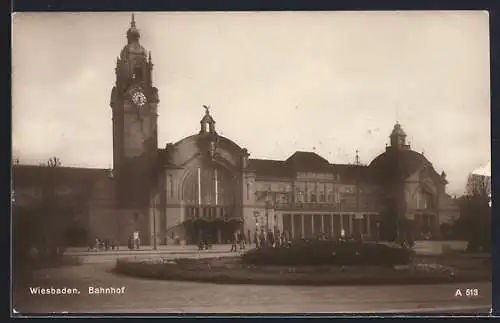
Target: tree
474 223
40 224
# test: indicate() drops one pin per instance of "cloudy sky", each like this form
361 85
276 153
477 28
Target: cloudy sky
329 82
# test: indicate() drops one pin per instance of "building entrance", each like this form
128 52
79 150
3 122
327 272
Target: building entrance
209 207
213 231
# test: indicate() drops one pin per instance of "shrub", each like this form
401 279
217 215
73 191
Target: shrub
307 253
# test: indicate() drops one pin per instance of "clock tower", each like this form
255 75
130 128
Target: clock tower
134 102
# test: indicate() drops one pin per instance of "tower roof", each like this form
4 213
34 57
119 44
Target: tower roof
133 47
397 130
207 118
133 33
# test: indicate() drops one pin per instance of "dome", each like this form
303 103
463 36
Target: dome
134 49
396 164
133 33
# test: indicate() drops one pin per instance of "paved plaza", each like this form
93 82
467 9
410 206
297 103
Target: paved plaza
143 296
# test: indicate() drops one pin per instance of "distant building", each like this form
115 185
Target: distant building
206 186
479 181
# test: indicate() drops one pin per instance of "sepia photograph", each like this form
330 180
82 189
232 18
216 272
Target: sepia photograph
251 163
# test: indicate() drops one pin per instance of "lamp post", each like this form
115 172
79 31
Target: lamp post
256 216
155 246
154 207
268 204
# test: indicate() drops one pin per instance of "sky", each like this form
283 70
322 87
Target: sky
277 82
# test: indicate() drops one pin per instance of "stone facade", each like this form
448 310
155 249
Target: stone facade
206 186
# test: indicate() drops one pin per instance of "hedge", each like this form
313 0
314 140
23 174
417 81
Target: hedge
307 253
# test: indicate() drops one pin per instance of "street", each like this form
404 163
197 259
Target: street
151 296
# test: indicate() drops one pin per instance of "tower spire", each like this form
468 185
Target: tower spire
132 21
133 34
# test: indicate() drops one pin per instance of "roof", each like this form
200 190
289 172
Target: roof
308 161
303 161
80 180
270 168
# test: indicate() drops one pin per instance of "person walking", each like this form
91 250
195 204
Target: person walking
262 238
243 240
234 242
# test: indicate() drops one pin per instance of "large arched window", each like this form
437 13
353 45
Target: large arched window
208 186
425 200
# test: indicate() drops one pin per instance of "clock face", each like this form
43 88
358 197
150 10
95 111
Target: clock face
139 98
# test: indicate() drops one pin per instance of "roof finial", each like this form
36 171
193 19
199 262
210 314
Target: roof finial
207 108
132 21
357 157
149 56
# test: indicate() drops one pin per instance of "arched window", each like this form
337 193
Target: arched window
208 186
425 200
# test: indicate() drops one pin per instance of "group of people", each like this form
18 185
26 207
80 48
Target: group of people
103 245
111 244
240 240
133 242
273 239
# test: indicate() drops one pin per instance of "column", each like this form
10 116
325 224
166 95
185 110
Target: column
216 188
368 224
351 226
341 224
332 229
199 186
322 223
302 219
292 218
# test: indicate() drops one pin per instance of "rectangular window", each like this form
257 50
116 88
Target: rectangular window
322 197
313 198
300 196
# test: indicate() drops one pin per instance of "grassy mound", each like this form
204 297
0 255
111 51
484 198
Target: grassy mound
234 271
